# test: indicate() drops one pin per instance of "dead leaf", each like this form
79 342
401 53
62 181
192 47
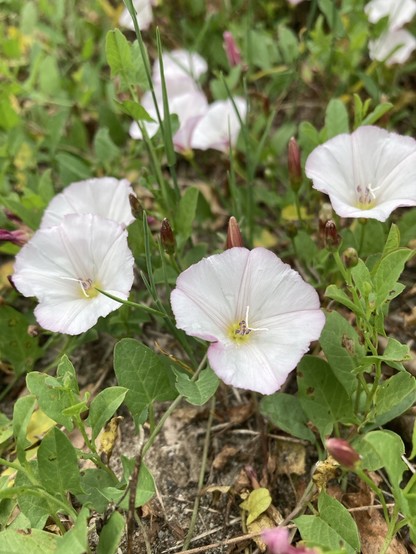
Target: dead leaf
223 457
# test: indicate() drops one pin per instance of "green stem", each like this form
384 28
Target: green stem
133 304
169 411
391 531
201 475
378 492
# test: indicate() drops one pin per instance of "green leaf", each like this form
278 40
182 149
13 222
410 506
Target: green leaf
72 168
383 449
35 542
317 532
145 486
52 400
256 503
197 392
337 516
377 113
285 411
111 534
186 215
134 110
103 407
387 273
342 348
93 481
105 149
6 429
22 413
75 541
34 507
336 118
394 397
322 397
337 294
147 376
16 345
118 53
58 463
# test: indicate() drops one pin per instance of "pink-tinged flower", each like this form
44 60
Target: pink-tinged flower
368 173
144 14
294 2
393 46
399 12
63 265
277 542
257 312
231 49
220 126
106 196
179 64
189 107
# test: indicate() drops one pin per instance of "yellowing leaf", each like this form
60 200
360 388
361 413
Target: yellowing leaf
39 425
107 438
6 269
266 239
289 213
257 502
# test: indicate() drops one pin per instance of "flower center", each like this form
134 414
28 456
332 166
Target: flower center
366 198
88 287
240 332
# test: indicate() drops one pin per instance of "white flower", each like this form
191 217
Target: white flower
393 46
144 15
106 196
399 12
368 173
220 126
189 107
179 64
62 265
258 313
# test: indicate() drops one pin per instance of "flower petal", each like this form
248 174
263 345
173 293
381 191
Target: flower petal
105 196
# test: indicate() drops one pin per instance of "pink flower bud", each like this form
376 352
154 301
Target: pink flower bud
234 237
18 237
332 240
343 452
231 49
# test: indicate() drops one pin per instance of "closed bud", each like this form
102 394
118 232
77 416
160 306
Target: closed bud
343 452
167 238
231 49
136 206
294 166
234 237
332 240
350 257
18 236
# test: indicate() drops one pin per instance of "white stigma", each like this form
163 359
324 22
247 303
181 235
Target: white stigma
244 328
85 284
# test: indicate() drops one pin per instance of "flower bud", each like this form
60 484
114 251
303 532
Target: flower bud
294 166
231 49
343 452
234 237
167 238
136 206
18 237
332 240
350 257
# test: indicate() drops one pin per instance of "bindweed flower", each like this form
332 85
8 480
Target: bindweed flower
277 542
257 312
106 196
398 12
393 46
220 126
179 64
368 173
64 265
144 14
